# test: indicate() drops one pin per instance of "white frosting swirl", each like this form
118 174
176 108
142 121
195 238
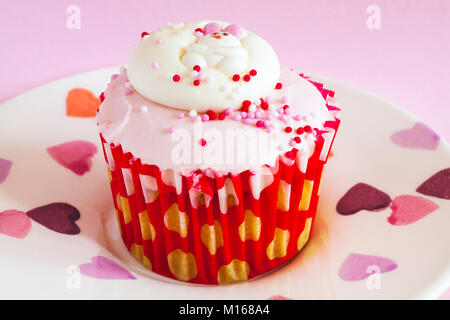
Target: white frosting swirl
176 49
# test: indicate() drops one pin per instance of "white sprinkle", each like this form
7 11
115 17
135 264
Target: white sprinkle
192 113
144 109
193 74
307 118
146 37
211 79
252 108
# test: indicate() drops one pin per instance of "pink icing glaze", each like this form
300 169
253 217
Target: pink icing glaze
121 120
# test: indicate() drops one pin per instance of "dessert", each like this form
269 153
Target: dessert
215 153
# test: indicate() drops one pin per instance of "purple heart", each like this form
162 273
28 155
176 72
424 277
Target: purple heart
417 137
104 268
74 155
437 185
360 266
362 197
58 216
5 166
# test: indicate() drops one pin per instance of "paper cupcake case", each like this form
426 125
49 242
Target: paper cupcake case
216 229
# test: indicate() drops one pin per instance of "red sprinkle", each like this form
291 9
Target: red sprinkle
199 30
308 129
143 34
222 116
285 107
278 86
300 130
288 129
253 72
297 139
212 115
289 154
102 96
247 78
246 105
236 77
264 105
202 142
260 123
196 82
176 78
197 68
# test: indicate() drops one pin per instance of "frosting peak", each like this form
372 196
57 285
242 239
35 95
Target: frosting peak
203 66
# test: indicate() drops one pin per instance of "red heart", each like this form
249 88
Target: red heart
81 103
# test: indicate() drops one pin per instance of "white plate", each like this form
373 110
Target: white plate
44 263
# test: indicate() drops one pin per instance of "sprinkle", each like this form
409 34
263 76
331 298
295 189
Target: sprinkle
237 117
252 108
283 117
198 34
298 117
159 41
193 74
202 142
268 100
278 86
222 116
266 123
264 105
176 78
289 154
244 115
248 121
144 109
228 111
211 28
292 143
269 129
269 117
200 77
308 129
143 34
280 110
196 68
205 117
284 99
260 123
192 113
287 111
286 107
251 115
288 129
300 130
247 78
171 129
236 77
196 82
253 72
199 30
297 139
155 65
197 119
245 105
102 96
211 114
181 115
259 114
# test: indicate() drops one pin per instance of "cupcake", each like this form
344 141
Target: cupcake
215 153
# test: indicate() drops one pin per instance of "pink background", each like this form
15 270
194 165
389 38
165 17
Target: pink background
406 61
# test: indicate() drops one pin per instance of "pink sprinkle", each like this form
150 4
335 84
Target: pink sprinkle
228 111
181 115
200 77
269 117
269 129
237 117
198 119
259 114
292 143
198 34
287 111
171 129
211 28
155 65
251 115
298 117
159 41
205 117
284 99
244 115
260 123
248 121
266 123
128 91
282 117
280 110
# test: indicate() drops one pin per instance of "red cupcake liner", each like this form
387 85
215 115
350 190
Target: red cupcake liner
214 229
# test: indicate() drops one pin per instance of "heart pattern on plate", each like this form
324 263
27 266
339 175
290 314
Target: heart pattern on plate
437 185
360 266
362 197
15 223
407 209
74 155
57 216
5 166
82 103
103 268
417 137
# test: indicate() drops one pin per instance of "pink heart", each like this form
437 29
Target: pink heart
408 209
278 297
417 137
360 266
15 223
74 155
104 268
5 166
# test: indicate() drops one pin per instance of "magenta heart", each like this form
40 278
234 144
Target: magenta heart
74 155
58 216
360 266
362 197
408 209
5 166
15 223
417 137
437 185
104 268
